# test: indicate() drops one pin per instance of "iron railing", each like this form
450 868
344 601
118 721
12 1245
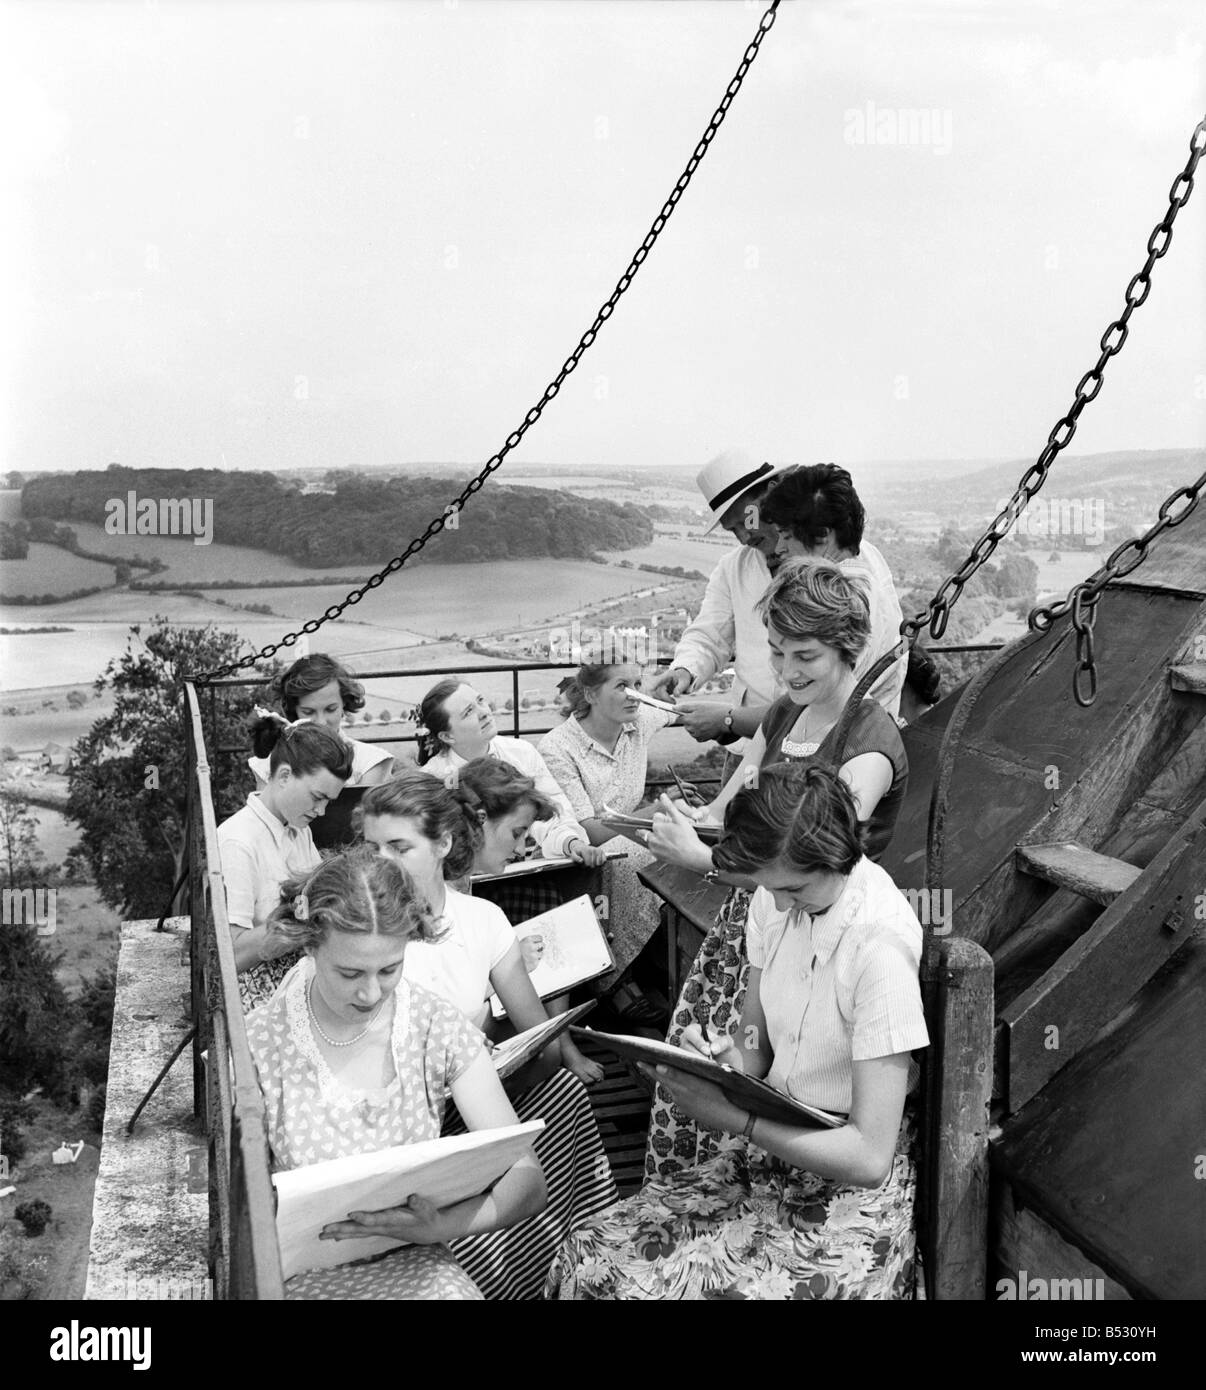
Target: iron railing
244 1258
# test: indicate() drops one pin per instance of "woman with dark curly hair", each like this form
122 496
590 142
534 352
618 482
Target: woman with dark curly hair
320 690
832 1014
352 1058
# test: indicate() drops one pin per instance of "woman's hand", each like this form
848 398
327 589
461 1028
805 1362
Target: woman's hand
722 1050
590 855
418 1221
531 948
673 838
704 1102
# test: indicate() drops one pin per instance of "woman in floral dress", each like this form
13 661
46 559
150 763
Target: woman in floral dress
352 1058
832 1013
817 626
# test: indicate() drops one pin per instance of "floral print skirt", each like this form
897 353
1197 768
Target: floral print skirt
713 994
742 1225
260 983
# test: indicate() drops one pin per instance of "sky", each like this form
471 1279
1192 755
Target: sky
304 235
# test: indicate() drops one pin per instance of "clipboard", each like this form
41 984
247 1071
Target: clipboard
746 1091
538 865
512 1053
576 951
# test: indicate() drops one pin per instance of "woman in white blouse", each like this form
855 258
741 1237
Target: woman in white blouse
318 690
832 1013
458 727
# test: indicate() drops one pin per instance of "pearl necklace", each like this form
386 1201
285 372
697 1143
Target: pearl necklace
331 1042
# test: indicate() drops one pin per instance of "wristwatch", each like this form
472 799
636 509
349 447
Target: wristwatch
730 734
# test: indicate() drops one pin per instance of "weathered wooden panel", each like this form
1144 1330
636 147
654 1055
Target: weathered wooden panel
1096 976
1190 678
1110 1152
1027 1250
1099 877
958 982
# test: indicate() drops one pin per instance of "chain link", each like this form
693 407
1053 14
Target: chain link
456 506
936 616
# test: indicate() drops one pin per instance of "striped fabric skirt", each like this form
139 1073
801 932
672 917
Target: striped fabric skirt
513 1264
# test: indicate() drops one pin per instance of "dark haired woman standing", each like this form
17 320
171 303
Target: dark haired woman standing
832 1013
269 840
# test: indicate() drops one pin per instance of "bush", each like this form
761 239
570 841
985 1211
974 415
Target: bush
95 1113
14 1113
34 1216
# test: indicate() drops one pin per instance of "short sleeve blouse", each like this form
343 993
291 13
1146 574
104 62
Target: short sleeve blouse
312 1116
458 966
839 987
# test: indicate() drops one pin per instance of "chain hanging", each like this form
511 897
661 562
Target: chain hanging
935 617
1082 598
475 484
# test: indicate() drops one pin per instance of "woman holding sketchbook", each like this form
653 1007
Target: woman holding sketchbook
353 1058
817 624
832 1012
434 832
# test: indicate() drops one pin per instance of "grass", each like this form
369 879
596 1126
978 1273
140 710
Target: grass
49 569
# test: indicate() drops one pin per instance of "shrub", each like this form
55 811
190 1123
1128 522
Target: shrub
14 1112
34 1216
95 1113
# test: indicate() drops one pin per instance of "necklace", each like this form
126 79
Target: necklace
331 1042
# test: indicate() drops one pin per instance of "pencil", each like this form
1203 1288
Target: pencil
679 783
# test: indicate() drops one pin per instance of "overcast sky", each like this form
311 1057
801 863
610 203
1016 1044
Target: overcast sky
300 234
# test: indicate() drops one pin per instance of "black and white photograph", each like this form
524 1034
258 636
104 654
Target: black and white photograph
603 663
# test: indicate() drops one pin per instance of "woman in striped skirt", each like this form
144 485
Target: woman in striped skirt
435 832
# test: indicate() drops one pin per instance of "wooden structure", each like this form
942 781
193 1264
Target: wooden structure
1065 971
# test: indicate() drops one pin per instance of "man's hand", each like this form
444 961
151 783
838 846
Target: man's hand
676 681
702 719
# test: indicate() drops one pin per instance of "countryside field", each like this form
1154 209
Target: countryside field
49 569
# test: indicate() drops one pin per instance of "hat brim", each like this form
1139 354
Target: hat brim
775 470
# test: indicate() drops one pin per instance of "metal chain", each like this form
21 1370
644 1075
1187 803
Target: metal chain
1082 598
571 362
937 614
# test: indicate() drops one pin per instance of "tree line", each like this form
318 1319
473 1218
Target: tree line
366 519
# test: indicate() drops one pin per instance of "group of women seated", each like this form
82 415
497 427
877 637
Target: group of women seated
367 974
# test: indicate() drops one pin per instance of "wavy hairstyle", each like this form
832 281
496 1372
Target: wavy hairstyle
303 748
433 718
438 810
817 600
586 678
806 502
311 673
356 891
500 788
802 815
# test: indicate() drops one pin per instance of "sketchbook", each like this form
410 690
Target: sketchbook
444 1170
537 865
575 950
746 1091
512 1053
709 832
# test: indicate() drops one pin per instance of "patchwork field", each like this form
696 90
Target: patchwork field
48 569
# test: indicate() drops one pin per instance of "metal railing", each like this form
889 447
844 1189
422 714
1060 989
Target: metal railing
244 1257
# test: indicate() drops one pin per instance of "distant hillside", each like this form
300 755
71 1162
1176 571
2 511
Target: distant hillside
365 521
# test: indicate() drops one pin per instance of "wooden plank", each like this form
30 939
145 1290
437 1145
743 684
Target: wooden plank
1190 677
1096 976
1107 1153
959 981
1098 877
686 891
1027 1249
